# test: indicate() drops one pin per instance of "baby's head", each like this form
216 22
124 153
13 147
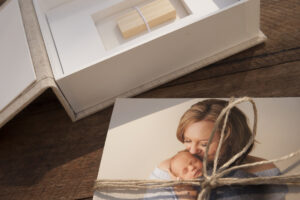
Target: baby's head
185 166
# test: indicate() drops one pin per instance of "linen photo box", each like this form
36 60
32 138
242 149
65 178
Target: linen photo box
76 47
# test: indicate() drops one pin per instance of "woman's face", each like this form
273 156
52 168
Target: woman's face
196 137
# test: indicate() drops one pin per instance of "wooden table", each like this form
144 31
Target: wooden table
43 155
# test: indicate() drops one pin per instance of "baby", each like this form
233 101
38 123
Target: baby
185 166
182 166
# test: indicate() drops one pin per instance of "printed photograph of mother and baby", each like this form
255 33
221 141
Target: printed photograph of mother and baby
167 139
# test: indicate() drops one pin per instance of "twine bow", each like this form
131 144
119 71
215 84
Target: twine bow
209 182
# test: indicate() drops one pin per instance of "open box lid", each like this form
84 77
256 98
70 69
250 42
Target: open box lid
25 70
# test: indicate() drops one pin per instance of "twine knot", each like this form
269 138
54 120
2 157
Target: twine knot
210 182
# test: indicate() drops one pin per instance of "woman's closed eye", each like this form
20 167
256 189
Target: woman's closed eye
204 144
187 141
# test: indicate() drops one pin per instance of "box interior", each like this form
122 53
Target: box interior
85 32
106 22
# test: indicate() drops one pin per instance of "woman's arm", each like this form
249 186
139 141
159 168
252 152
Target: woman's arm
253 170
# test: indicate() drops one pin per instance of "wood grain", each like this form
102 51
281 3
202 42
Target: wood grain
2 1
43 155
278 80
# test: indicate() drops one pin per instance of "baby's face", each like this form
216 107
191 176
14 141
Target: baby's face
185 166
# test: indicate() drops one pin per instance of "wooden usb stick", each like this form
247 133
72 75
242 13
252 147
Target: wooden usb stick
154 13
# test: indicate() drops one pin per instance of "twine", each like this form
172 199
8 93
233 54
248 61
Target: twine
143 18
209 182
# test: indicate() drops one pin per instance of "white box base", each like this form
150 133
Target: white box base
92 69
129 67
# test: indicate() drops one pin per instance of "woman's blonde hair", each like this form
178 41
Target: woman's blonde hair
237 131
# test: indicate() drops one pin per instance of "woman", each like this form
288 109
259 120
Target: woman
194 130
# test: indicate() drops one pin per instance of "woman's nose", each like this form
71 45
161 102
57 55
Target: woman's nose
193 149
